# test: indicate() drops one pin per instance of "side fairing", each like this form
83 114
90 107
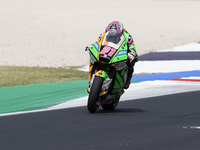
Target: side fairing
93 53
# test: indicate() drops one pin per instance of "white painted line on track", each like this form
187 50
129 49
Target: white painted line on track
198 78
193 47
192 127
166 66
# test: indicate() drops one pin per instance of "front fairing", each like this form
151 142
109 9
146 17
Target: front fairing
109 52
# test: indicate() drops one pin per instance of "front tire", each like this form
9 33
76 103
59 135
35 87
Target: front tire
94 98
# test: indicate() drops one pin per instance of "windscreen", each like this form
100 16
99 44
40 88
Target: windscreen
114 39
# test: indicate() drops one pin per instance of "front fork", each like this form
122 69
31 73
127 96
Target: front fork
102 74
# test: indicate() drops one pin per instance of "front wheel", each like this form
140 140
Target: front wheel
94 98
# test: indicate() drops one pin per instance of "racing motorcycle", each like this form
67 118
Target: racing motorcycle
108 72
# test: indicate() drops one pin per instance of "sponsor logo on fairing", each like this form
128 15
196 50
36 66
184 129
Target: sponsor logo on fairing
122 53
96 45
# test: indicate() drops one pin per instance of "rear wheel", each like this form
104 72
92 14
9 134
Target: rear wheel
94 98
111 106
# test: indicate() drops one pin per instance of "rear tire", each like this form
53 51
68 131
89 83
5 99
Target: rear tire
94 98
111 106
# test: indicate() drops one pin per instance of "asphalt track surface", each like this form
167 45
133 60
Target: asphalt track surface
168 122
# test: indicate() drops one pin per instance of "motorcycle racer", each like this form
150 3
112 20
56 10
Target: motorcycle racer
114 31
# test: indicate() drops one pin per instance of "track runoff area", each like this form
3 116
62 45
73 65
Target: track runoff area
163 72
156 112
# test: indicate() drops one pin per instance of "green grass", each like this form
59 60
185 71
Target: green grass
13 76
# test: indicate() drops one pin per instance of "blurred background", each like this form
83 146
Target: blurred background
54 33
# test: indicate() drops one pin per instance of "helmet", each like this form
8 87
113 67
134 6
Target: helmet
115 28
